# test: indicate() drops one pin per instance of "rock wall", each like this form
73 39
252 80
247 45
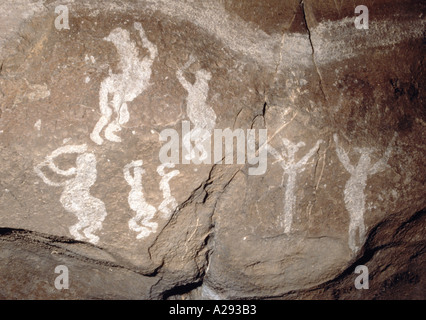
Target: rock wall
91 94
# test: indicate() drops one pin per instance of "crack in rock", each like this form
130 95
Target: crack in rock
302 5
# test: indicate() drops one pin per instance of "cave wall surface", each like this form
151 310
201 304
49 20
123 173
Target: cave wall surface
83 111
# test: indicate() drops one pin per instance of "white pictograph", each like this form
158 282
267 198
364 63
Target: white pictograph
125 86
76 198
201 115
169 203
142 221
145 212
354 189
291 169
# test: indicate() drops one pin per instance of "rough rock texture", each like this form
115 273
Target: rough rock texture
345 119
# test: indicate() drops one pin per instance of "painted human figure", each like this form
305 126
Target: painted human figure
125 86
291 169
145 212
76 198
169 203
201 115
354 189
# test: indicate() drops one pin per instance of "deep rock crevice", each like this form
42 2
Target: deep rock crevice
305 20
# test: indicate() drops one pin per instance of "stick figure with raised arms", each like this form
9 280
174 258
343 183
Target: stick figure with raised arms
291 169
354 189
